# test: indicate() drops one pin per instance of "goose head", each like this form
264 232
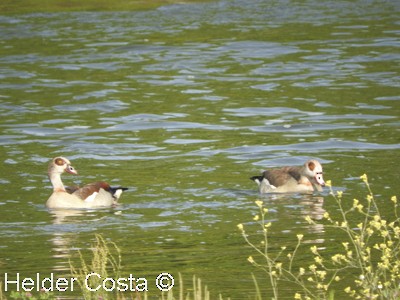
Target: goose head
60 165
313 170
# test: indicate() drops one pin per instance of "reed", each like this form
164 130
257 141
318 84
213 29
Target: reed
106 261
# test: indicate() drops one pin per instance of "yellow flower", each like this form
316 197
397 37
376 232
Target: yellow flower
369 231
256 218
240 226
259 203
309 220
314 250
313 268
250 260
321 274
318 260
339 194
297 296
364 178
394 199
300 237
337 258
328 183
366 291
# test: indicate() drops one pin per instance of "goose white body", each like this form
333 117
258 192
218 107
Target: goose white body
94 195
297 179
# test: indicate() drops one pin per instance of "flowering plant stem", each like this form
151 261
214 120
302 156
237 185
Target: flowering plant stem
371 248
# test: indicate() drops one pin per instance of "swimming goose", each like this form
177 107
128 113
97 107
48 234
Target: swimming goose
93 195
302 179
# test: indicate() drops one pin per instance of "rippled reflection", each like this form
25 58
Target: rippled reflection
183 104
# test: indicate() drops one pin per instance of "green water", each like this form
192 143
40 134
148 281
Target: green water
182 104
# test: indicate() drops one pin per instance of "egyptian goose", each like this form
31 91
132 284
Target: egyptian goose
302 179
93 195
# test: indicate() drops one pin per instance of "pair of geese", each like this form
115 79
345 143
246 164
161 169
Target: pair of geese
299 179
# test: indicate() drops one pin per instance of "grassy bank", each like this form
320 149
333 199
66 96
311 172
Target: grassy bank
48 6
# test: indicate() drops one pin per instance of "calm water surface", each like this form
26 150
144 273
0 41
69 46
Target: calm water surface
183 104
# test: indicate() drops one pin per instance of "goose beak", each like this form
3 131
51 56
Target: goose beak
320 179
71 170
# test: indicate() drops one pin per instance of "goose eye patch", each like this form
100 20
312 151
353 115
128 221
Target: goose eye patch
59 161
